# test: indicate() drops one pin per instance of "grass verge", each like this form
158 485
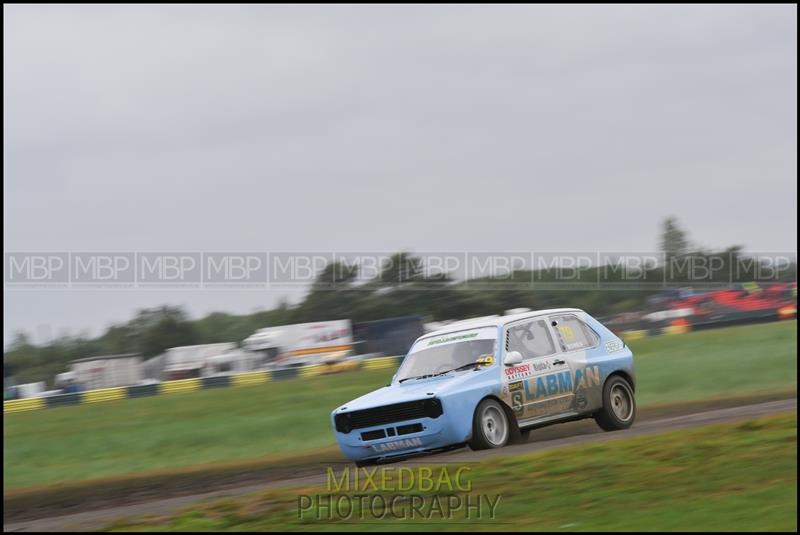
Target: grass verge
75 496
232 425
738 477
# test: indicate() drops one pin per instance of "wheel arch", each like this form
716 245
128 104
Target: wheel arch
625 375
512 418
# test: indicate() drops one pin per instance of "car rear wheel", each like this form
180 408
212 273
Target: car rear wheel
619 405
490 426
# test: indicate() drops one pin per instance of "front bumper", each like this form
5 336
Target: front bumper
435 433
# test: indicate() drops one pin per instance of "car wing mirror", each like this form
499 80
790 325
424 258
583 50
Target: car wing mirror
512 358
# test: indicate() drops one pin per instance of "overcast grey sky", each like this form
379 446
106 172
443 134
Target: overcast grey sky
440 128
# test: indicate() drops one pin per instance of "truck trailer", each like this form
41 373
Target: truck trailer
302 343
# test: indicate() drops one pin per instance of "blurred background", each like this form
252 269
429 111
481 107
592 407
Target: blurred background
471 129
380 171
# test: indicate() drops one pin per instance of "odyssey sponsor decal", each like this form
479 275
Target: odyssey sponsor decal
514 373
518 372
397 445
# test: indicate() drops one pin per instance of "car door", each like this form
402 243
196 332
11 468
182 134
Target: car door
574 339
540 386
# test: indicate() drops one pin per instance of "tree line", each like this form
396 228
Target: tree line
402 287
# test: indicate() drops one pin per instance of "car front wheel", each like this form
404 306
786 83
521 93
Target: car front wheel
619 405
490 426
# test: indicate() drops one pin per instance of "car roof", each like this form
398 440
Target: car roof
495 321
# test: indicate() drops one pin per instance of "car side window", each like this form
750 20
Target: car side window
532 339
573 334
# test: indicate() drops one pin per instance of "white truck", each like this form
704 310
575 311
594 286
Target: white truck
31 390
302 343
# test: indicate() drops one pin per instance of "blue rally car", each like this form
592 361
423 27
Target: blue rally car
487 382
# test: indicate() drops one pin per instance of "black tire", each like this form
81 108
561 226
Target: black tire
491 427
619 405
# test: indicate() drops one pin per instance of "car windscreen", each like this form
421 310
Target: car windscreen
447 352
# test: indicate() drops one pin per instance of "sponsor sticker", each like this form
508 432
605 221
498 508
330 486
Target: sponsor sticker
559 383
448 339
518 403
515 373
486 360
398 445
550 406
458 337
541 366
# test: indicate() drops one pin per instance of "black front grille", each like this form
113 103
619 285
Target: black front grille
373 435
388 414
408 429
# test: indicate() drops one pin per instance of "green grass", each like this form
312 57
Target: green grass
229 424
173 430
736 361
732 477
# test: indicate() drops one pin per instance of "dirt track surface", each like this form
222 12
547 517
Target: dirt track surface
547 438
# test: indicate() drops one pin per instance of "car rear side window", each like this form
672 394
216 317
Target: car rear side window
573 334
531 338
